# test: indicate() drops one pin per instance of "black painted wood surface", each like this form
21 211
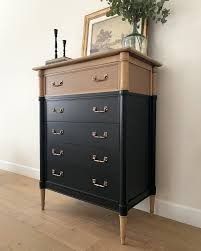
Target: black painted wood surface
83 133
129 147
83 110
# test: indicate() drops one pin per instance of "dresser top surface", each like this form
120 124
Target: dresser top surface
132 53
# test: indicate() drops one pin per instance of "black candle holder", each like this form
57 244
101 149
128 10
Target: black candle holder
56 59
64 48
55 39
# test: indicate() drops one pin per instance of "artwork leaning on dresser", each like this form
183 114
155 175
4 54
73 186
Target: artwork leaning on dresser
97 130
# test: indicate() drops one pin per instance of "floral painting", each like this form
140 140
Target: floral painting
108 34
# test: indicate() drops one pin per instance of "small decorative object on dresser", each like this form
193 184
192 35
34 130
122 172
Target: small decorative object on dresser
137 13
97 130
64 48
102 33
56 59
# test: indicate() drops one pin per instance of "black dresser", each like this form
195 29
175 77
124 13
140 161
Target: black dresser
97 130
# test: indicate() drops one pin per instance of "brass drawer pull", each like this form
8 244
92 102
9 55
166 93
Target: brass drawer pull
96 79
61 173
105 183
95 109
61 110
105 159
57 154
94 134
60 132
57 85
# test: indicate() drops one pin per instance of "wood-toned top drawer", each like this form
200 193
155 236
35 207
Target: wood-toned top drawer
77 168
105 109
83 133
90 80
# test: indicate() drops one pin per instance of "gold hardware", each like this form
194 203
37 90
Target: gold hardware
57 154
105 159
94 134
57 85
105 183
61 110
96 79
95 109
60 132
61 173
42 191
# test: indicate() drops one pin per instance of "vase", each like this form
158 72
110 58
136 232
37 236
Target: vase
136 41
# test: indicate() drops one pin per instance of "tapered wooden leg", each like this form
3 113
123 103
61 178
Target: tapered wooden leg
42 192
123 223
152 203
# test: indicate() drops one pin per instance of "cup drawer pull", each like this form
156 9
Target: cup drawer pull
60 132
54 153
96 136
101 79
57 85
95 109
105 159
105 183
60 174
60 110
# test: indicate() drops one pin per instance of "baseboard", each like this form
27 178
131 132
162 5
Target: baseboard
20 169
167 209
177 212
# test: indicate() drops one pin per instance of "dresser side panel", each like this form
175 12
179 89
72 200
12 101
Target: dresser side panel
140 79
137 146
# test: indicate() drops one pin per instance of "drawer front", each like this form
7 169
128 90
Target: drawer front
104 109
96 134
92 171
92 80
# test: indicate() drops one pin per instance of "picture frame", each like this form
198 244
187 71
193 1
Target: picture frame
102 33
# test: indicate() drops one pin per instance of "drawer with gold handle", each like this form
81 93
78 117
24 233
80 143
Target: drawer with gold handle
83 109
59 132
105 183
59 174
59 154
105 135
94 158
87 80
77 159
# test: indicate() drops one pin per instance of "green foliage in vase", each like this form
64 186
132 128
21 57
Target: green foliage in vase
135 11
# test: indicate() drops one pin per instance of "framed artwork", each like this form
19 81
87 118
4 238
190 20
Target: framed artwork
102 33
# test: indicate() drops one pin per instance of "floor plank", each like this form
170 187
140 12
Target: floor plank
69 224
15 235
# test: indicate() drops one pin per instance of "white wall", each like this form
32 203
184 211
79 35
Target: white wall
26 28
26 41
179 104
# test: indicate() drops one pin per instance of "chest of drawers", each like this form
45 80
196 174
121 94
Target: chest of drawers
97 130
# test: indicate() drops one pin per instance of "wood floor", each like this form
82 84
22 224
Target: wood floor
69 224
